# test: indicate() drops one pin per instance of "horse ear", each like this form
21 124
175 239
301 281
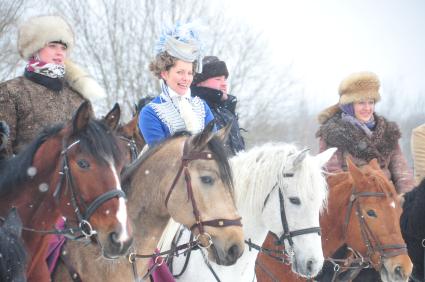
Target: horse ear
82 116
374 164
224 133
13 222
201 140
325 156
112 119
353 169
300 157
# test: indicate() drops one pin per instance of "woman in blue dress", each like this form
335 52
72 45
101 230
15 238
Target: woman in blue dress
178 56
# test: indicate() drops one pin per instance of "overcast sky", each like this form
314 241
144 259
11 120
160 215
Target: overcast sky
325 40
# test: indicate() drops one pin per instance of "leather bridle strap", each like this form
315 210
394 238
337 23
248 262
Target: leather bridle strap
186 159
132 145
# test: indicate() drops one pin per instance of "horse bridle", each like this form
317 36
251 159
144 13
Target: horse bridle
185 160
131 144
372 243
287 233
82 217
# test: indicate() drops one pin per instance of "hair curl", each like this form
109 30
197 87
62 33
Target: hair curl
163 62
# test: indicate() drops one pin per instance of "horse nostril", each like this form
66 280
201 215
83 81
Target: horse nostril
310 264
113 236
233 252
398 271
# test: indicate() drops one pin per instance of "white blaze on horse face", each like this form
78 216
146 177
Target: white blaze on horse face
122 209
392 204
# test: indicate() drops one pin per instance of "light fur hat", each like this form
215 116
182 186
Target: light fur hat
35 33
356 87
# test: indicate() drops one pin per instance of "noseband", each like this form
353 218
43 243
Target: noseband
185 160
372 243
82 217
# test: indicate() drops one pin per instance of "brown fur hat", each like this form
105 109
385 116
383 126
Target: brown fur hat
356 87
35 33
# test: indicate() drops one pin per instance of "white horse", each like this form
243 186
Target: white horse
260 175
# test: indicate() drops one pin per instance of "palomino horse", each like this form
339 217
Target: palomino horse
360 229
412 228
202 199
70 170
13 255
277 188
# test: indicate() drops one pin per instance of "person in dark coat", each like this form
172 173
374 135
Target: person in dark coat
211 86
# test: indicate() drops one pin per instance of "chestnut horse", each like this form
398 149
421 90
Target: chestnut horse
69 170
360 229
187 178
13 256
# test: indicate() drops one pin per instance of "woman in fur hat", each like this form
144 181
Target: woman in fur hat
355 129
178 56
50 89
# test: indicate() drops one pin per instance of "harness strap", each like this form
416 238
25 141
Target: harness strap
102 199
75 276
218 223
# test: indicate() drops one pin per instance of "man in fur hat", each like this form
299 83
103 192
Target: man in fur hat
51 88
355 129
211 86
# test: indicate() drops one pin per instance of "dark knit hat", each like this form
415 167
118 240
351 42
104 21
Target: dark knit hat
211 67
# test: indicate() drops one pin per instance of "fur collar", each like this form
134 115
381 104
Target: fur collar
348 138
79 80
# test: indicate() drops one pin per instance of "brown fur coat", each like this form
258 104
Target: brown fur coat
382 145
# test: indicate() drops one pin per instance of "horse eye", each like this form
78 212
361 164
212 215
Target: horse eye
207 180
295 200
371 213
83 163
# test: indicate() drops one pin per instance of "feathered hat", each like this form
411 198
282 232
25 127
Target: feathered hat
356 87
183 42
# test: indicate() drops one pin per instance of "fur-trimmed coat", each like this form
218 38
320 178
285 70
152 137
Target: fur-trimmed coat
382 145
27 107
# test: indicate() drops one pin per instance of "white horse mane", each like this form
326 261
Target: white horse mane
255 173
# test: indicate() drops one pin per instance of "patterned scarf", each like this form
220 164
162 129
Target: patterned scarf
349 116
47 69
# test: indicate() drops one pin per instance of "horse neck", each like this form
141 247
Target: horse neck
253 224
333 218
146 204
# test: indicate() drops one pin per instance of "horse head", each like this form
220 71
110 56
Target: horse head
367 207
87 189
297 193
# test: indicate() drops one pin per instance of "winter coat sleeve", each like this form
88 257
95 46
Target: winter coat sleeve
401 175
151 126
418 152
334 165
209 116
9 114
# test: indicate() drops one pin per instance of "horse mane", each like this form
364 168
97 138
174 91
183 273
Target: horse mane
13 256
95 140
258 170
215 145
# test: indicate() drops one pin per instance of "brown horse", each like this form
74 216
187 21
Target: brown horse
201 200
131 140
70 170
360 226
